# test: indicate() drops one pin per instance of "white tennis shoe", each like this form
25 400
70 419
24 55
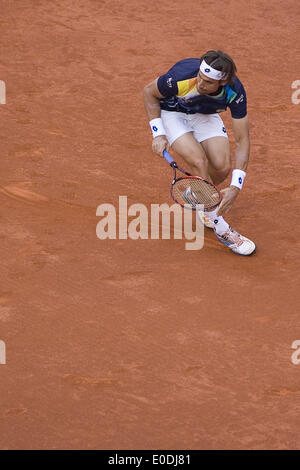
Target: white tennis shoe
237 243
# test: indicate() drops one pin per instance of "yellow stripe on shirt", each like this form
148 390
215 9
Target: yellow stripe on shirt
185 86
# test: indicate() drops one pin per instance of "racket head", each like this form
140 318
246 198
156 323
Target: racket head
190 191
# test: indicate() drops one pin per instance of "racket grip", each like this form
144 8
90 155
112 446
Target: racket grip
168 157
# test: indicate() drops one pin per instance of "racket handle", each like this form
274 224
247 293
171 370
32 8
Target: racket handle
167 157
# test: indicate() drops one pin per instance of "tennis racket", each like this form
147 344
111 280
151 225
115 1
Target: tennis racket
189 190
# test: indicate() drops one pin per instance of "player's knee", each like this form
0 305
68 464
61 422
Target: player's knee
195 159
224 172
197 165
220 174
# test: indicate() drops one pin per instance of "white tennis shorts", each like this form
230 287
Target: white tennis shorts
203 126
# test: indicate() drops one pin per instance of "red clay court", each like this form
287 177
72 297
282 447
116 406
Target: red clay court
140 344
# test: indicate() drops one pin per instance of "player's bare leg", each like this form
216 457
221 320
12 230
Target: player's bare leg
193 154
218 154
213 155
216 161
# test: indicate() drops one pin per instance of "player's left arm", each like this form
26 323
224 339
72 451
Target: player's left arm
240 129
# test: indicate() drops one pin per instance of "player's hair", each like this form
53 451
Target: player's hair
222 62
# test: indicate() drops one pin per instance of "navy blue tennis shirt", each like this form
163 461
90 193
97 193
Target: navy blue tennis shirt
178 86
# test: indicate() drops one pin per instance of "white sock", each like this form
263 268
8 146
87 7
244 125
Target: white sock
221 226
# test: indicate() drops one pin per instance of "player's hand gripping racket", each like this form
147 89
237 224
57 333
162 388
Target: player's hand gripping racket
189 190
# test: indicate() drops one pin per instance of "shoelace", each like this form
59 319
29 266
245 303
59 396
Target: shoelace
232 237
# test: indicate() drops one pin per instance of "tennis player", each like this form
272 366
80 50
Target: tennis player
183 108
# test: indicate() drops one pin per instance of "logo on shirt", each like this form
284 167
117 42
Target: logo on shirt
186 100
240 99
169 82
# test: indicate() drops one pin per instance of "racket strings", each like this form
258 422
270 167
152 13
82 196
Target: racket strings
194 191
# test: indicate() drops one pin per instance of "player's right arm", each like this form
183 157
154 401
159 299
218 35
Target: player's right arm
151 97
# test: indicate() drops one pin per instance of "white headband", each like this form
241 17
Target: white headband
210 72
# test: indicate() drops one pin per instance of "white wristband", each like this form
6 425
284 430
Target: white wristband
157 127
237 179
